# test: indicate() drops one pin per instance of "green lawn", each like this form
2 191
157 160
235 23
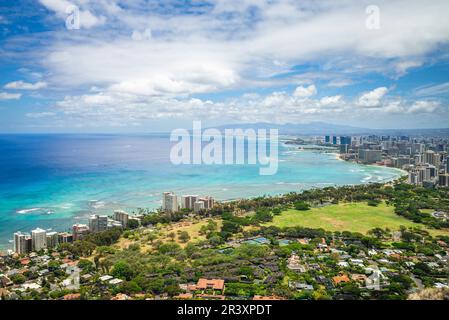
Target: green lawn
354 217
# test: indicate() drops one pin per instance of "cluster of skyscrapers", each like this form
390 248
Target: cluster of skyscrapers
40 239
426 159
171 203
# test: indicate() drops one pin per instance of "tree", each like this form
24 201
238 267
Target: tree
122 270
133 224
86 265
172 236
301 206
18 278
184 236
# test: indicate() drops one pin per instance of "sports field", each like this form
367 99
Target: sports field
354 217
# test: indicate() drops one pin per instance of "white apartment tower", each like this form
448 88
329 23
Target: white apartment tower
169 202
39 239
188 201
122 217
21 243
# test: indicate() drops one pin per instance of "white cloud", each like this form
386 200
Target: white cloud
144 35
210 51
10 96
403 66
373 98
113 108
148 61
423 107
331 101
305 92
21 85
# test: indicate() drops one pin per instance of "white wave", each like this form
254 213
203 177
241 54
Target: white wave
67 205
25 211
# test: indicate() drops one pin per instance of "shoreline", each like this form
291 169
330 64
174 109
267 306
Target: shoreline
7 245
402 171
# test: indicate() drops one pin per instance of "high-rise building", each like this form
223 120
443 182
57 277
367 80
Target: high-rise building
39 239
98 223
65 237
401 161
345 140
334 140
443 180
170 202
447 164
208 202
417 148
122 217
327 139
52 239
79 231
198 206
432 158
344 148
188 201
22 243
370 156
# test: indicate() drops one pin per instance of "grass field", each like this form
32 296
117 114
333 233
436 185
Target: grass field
354 217
192 229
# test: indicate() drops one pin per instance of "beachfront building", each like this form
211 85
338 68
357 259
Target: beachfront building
209 202
39 239
169 202
52 239
79 231
22 243
114 224
188 201
65 237
98 223
198 206
370 156
122 217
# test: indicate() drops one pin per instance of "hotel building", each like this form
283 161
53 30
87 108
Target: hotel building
22 243
79 231
170 202
39 239
122 217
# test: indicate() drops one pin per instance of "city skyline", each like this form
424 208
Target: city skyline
155 66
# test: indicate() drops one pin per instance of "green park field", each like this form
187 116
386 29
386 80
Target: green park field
353 217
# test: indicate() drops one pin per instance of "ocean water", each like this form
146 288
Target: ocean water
53 181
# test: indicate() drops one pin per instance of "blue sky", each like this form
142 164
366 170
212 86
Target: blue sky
140 66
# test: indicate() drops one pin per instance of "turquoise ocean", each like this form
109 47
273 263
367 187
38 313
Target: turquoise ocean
53 181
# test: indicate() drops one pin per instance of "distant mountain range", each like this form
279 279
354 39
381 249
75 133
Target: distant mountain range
322 128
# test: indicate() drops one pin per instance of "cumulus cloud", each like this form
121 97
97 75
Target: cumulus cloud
373 98
222 44
331 101
150 61
305 92
21 85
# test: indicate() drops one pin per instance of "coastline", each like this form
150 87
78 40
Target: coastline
403 172
283 187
